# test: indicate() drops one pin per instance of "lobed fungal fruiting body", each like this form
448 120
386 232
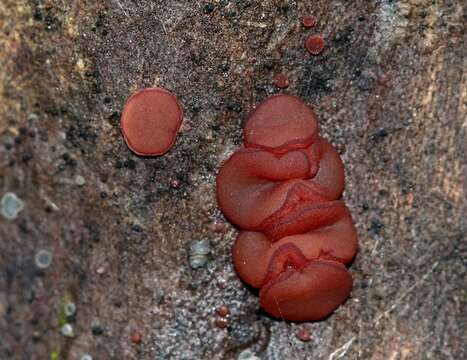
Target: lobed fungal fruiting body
283 191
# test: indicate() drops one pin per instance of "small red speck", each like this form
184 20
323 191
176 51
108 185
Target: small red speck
303 335
223 310
174 183
314 44
384 79
281 81
222 322
308 21
136 337
218 227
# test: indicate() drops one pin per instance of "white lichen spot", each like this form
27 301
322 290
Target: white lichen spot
79 180
199 252
69 309
80 65
67 330
390 27
86 357
11 205
247 355
43 259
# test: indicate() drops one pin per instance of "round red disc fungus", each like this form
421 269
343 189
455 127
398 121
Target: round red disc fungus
315 44
281 81
150 121
283 191
308 21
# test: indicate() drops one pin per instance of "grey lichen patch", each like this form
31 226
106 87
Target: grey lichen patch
247 355
67 331
199 252
11 205
80 180
69 309
43 259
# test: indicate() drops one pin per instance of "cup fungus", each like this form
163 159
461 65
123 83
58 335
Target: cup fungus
315 44
281 81
283 191
308 21
150 121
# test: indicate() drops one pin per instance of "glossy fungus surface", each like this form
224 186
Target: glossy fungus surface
315 44
283 190
150 121
281 81
308 21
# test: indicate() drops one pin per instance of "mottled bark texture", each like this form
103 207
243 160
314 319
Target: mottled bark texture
389 90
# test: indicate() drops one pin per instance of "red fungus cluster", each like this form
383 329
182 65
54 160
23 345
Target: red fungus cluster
150 121
283 190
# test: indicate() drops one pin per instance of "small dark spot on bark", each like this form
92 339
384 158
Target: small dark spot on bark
97 329
365 206
343 37
130 164
233 105
118 164
27 156
376 226
381 133
209 8
136 228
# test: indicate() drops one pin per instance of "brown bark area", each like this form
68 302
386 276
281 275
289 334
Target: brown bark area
389 90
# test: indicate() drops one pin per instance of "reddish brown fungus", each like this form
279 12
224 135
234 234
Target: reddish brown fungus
136 337
222 322
223 310
281 81
303 335
150 121
314 44
283 190
308 21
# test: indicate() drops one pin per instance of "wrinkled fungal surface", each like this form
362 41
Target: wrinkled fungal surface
283 190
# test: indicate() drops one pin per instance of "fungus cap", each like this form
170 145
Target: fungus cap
315 44
150 121
280 122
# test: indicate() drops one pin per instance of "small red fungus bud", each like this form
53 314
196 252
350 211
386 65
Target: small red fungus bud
136 337
314 44
223 310
174 183
218 227
308 21
150 121
281 81
384 79
303 335
222 322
